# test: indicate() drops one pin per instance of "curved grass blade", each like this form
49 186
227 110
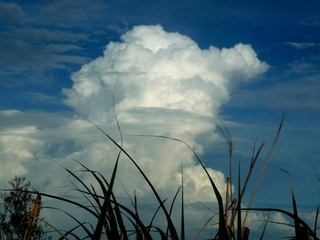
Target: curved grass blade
252 164
117 212
204 227
298 229
239 228
182 205
114 213
316 221
63 236
70 232
172 204
234 205
106 203
289 214
82 224
222 227
171 226
136 219
111 226
155 214
263 168
229 142
265 227
162 234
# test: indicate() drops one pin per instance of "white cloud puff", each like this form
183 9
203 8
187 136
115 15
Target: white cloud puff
151 68
197 184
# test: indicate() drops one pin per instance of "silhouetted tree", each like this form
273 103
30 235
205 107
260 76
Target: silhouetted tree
17 203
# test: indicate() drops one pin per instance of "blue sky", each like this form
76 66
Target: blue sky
174 67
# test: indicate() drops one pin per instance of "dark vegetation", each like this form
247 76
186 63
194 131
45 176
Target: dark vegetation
114 220
18 218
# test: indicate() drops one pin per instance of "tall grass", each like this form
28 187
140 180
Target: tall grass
114 220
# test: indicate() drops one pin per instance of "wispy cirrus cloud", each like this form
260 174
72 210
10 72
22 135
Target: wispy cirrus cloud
37 56
43 35
302 45
11 13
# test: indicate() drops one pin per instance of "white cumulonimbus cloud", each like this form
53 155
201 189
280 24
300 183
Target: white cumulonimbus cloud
162 83
151 68
157 83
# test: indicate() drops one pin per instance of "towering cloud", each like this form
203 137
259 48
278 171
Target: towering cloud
155 69
163 84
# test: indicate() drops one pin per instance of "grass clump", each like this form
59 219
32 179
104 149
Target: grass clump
115 220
